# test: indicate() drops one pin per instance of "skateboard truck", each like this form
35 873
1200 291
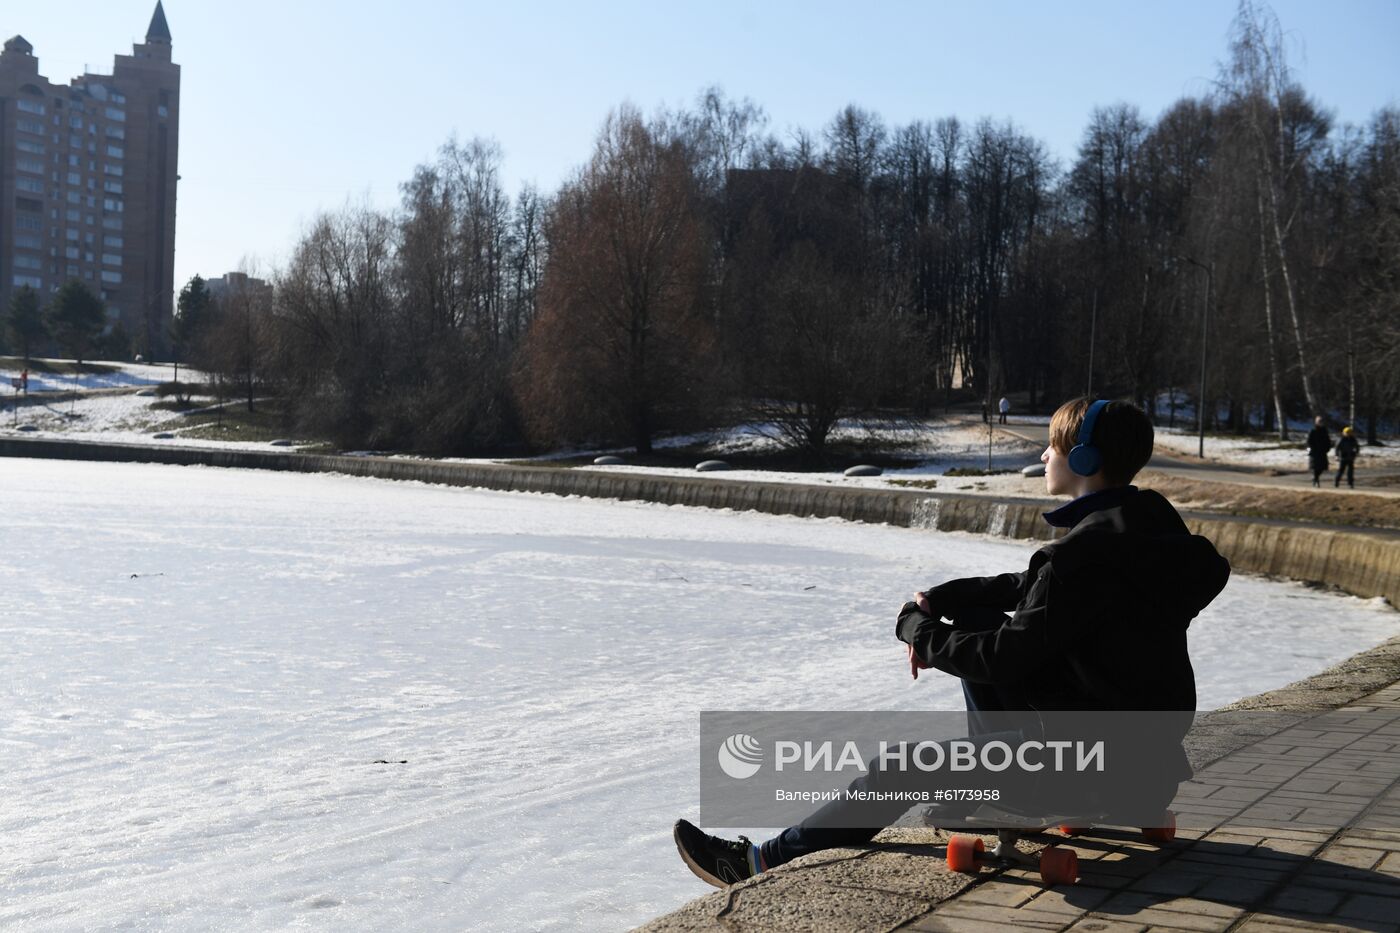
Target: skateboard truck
1055 865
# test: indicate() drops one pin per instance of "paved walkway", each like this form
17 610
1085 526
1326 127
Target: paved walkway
1259 848
1188 467
1275 862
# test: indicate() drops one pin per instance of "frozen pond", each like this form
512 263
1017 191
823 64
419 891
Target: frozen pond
202 668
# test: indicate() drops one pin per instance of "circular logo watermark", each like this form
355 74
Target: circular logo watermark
740 756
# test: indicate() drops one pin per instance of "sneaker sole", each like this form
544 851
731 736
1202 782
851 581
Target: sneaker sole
690 863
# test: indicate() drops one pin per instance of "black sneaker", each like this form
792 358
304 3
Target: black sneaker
720 862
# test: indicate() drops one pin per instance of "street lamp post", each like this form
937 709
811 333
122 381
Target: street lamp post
1209 270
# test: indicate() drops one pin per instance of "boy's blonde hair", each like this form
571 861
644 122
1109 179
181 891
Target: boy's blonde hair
1123 434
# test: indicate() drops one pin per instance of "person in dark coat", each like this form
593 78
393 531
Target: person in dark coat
1098 623
1347 449
1319 443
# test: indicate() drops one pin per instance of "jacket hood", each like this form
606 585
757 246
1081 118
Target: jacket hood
1146 549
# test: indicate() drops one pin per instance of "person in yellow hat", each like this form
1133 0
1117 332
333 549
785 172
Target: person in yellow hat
1347 449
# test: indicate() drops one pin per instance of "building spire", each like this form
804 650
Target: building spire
159 30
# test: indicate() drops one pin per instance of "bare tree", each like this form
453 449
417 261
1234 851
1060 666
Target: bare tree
619 344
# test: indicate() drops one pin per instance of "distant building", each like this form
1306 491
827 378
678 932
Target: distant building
88 173
232 283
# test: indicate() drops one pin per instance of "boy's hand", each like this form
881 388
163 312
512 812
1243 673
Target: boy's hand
915 665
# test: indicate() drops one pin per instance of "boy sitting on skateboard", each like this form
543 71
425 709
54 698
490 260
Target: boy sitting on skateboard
1098 622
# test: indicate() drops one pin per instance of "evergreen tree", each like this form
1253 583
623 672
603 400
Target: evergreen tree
76 319
26 320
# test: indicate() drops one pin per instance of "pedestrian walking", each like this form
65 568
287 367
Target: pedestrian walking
1319 443
1004 406
1347 449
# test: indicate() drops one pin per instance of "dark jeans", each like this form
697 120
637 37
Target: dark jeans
1347 468
824 829
1319 466
1003 417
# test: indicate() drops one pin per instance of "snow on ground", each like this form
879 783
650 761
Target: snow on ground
202 668
936 445
110 418
122 375
1268 451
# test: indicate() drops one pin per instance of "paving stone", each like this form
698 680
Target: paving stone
1097 925
1304 900
1241 892
998 893
1350 856
1366 907
1175 920
991 913
1310 785
1070 899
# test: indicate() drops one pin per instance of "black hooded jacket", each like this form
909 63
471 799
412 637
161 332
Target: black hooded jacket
1098 621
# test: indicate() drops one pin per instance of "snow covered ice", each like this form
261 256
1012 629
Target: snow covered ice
202 669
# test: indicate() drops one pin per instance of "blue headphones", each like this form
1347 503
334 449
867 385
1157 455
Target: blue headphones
1085 458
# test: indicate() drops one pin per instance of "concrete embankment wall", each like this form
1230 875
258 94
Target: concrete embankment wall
1363 563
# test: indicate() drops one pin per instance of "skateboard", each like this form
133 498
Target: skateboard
967 853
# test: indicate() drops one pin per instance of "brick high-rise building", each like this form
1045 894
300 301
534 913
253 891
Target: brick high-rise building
87 181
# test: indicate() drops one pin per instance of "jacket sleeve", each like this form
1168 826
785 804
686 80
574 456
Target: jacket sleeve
1025 642
1002 591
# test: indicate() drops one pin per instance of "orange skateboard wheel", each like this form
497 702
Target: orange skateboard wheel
1058 866
963 852
1073 830
1164 833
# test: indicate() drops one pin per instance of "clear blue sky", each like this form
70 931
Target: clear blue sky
372 89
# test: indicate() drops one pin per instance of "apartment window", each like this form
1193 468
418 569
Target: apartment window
75 197
33 281
111 223
74 178
30 106
71 252
88 238
75 121
30 165
28 262
75 142
89 220
27 241
32 185
115 113
109 259
115 152
71 235
112 204
112 187
118 97
112 242
162 111
30 126
87 256
115 132
73 215
71 271
29 204
111 278
73 160
29 222
24 145
110 169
